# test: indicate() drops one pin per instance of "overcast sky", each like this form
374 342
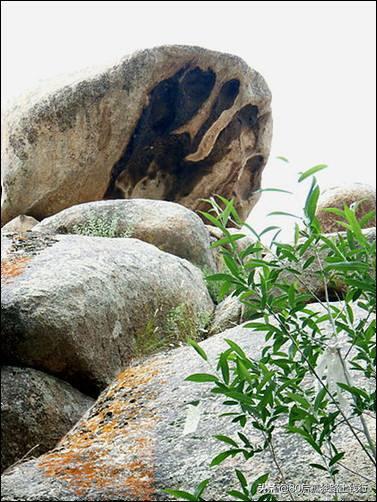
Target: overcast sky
317 57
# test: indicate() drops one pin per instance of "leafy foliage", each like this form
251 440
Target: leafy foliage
299 349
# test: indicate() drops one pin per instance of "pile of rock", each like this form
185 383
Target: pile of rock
115 164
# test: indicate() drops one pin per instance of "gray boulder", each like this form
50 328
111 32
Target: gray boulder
175 123
36 411
171 227
228 314
152 430
80 307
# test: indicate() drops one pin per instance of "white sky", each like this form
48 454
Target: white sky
317 57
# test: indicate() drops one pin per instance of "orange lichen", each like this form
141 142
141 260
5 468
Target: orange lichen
13 267
84 459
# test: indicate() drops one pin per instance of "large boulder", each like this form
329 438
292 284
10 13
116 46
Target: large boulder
348 194
152 430
79 307
177 123
36 411
170 227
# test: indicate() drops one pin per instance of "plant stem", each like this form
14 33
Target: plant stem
362 419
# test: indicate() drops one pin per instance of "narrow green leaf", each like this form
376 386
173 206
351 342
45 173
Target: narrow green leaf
279 190
223 456
198 349
319 466
299 399
258 482
319 399
241 479
227 440
201 377
283 213
227 240
311 172
236 348
284 159
238 495
201 488
334 210
179 494
336 458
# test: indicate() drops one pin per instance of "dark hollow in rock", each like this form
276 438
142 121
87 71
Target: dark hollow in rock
172 103
157 152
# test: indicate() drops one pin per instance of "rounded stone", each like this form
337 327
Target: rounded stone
175 123
337 197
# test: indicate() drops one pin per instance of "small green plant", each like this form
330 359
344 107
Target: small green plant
275 388
101 227
180 325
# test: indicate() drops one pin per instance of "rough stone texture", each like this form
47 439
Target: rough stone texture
228 314
170 227
36 411
20 224
346 195
131 446
78 307
177 123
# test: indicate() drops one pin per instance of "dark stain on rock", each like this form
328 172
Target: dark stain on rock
172 103
156 153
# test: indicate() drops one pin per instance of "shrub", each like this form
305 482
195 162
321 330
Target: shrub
298 347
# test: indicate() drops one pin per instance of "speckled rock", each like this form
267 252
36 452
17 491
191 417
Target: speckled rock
174 123
20 224
171 227
79 307
135 442
346 195
36 411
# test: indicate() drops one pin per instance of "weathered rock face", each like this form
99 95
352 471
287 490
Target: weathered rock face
135 441
228 314
20 224
36 411
177 123
342 195
79 307
170 227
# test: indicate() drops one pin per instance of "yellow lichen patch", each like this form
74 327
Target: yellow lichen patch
13 267
112 451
